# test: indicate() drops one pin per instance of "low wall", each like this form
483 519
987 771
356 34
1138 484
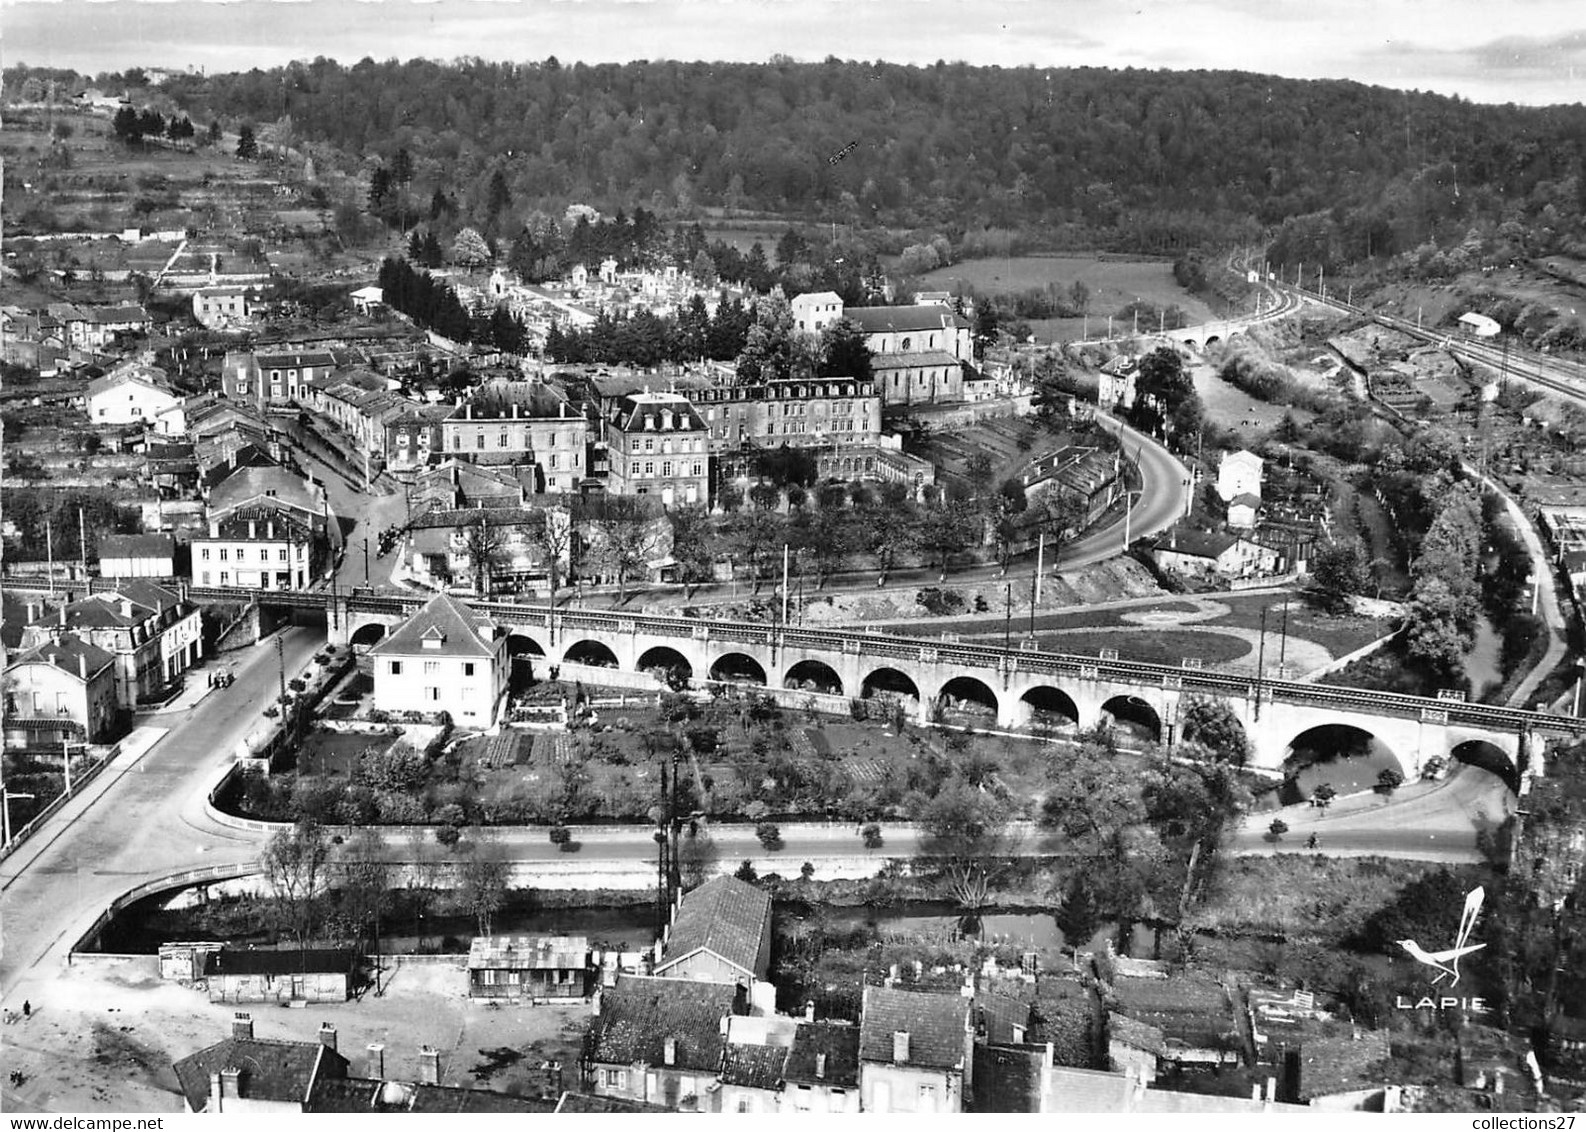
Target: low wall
1349 658
79 780
149 888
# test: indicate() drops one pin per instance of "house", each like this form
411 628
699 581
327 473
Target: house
1242 510
136 394
1026 1080
244 1074
535 968
916 1051
412 436
1183 1020
154 634
660 1040
60 690
1087 480
753 1064
456 485
658 445
269 528
1209 554
821 1073
1115 383
284 375
312 974
1345 1072
219 308
92 329
366 299
137 556
590 1104
816 310
443 658
522 423
742 420
1238 474
721 933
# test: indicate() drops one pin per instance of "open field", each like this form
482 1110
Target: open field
1113 284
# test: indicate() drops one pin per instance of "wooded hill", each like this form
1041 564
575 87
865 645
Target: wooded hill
1144 160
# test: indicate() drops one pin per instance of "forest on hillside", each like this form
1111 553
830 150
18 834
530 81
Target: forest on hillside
1149 161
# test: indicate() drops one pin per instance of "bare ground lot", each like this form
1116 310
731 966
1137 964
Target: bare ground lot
104 1033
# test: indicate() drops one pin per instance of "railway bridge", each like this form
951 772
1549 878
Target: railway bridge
1014 688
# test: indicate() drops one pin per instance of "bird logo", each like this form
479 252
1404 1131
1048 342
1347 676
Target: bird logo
1447 962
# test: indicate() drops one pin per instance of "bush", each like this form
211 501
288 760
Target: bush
1389 780
871 832
768 834
1278 828
448 835
746 872
939 602
560 835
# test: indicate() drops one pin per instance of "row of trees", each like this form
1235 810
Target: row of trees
434 305
132 126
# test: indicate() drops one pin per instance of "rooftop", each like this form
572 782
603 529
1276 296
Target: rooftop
136 546
726 917
523 952
270 1070
838 1041
885 320
70 654
292 961
912 360
641 1014
936 1025
452 626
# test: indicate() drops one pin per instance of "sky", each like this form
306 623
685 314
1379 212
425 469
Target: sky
1525 51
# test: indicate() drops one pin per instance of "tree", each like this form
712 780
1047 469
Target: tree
294 864
1389 779
366 882
127 126
946 530
1277 828
693 544
703 269
768 349
484 875
247 144
625 539
483 545
1338 572
550 531
1215 725
844 352
470 249
1324 794
1432 635
967 831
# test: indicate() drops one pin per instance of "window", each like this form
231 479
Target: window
479 441
616 1079
432 695
697 469
281 554
396 668
223 554
743 1104
927 1098
649 444
204 554
501 441
225 578
206 574
431 667
38 703
553 459
468 668
635 445
63 704
649 467
666 467
264 554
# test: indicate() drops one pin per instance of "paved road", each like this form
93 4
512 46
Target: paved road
142 817
1422 821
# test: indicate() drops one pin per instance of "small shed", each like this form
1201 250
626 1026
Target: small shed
537 968
184 960
310 974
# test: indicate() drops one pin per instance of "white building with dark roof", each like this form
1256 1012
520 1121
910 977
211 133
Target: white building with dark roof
135 394
445 658
916 1051
721 933
658 444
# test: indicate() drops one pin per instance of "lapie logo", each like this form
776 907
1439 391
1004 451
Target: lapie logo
1446 961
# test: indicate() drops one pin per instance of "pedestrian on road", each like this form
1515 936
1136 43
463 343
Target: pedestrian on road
27 1009
1311 844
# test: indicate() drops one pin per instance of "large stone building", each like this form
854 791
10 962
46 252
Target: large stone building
151 631
657 444
60 690
522 423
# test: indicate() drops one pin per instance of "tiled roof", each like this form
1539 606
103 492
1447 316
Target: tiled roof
753 1066
1196 544
136 546
935 1023
913 360
257 961
294 361
838 1041
1089 1090
726 917
640 1013
1139 1035
1340 1065
244 484
883 320
271 1070
457 627
1008 1078
366 1094
152 376
996 1015
642 412
148 593
65 655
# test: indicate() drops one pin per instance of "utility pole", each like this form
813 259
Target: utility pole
1035 584
49 553
82 545
1283 642
1261 660
366 560
1040 567
784 584
280 656
1007 621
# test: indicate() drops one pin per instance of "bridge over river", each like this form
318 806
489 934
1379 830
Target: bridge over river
1018 688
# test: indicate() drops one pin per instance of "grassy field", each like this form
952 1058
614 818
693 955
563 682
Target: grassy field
1113 284
1159 646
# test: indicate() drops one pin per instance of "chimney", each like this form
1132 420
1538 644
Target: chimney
327 1036
1139 1086
1272 1089
33 612
215 1091
820 1066
900 1047
429 1066
809 1011
1051 1053
1255 1090
230 1081
669 1051
1018 1034
82 665
242 1027
376 1068
594 1005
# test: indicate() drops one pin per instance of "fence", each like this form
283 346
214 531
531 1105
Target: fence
79 780
149 888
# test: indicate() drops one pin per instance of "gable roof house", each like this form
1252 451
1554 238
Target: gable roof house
721 933
314 974
60 690
136 394
1213 554
660 1040
445 658
916 1051
248 1074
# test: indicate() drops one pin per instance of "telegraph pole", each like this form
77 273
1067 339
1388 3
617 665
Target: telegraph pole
1007 621
1261 660
1283 643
